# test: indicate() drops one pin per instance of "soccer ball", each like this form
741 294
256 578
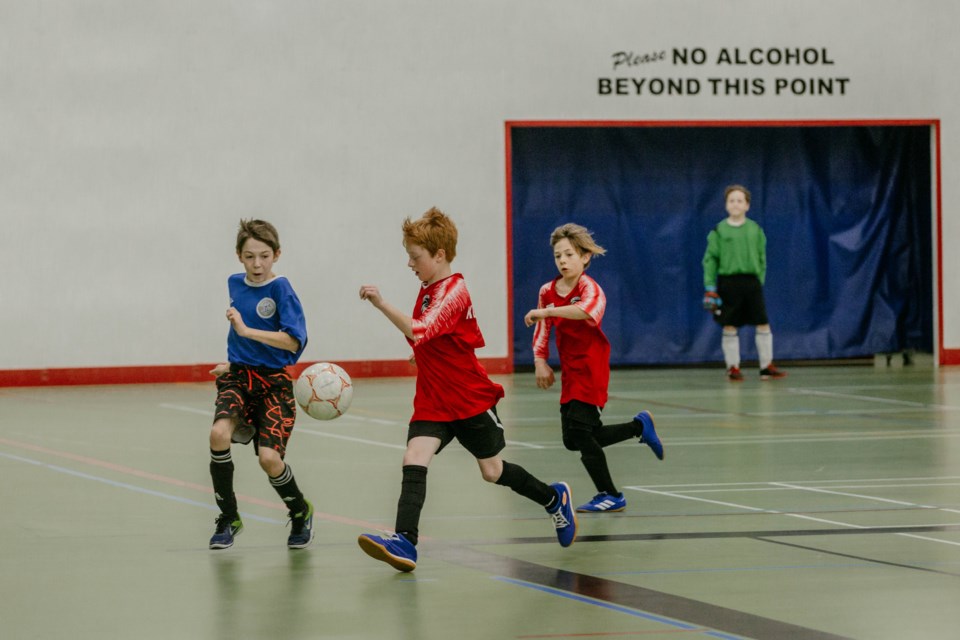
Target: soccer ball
324 391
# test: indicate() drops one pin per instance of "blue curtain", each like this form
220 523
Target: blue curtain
846 211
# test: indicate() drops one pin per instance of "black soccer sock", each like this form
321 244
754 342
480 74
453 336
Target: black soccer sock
615 433
221 471
286 486
521 481
413 493
594 460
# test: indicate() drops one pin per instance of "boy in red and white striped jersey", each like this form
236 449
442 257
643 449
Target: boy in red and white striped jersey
455 399
573 304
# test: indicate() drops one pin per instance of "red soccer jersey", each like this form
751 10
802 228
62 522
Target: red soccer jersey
582 345
451 382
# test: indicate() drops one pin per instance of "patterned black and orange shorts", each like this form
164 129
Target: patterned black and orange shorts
261 403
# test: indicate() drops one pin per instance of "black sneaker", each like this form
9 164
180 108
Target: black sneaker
228 527
772 373
301 528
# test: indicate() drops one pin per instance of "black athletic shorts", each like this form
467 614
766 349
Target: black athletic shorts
261 403
742 301
578 416
481 435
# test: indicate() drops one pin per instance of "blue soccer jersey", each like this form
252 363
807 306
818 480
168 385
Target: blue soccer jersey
271 306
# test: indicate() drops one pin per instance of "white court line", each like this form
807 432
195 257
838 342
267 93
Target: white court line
795 439
774 439
852 495
528 445
840 486
338 436
180 407
852 396
798 515
382 421
837 481
713 415
384 444
133 487
352 418
670 494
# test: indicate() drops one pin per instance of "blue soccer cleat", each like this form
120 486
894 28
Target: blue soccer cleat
394 549
228 527
604 501
564 519
301 528
649 435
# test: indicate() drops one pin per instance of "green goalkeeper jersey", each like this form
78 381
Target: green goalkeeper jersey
735 250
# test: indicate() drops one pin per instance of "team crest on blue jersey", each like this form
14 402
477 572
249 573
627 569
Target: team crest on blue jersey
266 308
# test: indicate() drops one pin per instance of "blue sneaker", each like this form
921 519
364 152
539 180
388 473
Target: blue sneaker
301 528
604 501
227 529
395 550
649 435
564 519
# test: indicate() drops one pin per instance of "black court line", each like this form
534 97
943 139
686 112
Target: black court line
658 603
663 604
860 558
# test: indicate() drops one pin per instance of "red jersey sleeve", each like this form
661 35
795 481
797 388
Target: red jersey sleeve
592 299
541 330
440 315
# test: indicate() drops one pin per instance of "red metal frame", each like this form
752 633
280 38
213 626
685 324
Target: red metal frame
946 356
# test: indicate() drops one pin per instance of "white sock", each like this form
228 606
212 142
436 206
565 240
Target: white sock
730 343
764 348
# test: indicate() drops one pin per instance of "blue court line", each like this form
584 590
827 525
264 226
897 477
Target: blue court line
618 608
133 487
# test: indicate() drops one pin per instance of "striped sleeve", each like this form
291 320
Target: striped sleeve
441 317
541 330
592 299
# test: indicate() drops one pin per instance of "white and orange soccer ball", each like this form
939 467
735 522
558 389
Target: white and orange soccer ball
324 391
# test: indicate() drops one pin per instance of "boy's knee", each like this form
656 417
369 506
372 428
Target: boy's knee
729 331
270 461
577 439
491 469
220 433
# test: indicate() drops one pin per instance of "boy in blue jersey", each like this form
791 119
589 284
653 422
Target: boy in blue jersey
254 391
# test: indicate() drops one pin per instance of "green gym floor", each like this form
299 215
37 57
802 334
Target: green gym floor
824 505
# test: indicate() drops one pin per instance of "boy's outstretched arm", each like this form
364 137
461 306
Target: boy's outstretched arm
568 312
277 339
399 319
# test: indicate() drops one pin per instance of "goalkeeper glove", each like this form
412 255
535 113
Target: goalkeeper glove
711 301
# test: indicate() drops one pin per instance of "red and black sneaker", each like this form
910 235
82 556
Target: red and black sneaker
733 373
772 373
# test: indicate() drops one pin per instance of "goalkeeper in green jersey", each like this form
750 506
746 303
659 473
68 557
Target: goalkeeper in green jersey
734 270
